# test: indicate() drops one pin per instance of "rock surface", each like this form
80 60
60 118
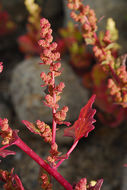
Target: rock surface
27 95
124 179
4 111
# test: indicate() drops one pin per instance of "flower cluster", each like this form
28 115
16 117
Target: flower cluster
41 129
53 154
118 89
104 48
95 77
93 185
86 17
102 53
82 127
45 131
45 182
11 180
51 57
72 42
81 184
6 131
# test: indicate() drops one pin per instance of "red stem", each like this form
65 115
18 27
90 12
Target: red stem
5 146
53 127
43 164
114 74
96 38
19 182
97 42
68 154
53 112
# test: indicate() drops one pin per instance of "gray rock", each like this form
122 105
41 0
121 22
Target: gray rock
51 7
27 95
4 111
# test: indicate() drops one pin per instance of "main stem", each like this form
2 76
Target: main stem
43 164
53 112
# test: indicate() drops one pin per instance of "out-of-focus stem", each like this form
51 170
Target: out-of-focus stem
114 74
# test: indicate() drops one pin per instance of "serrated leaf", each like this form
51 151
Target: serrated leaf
84 124
98 184
31 127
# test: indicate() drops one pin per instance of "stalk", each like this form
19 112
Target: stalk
53 112
68 154
43 164
114 74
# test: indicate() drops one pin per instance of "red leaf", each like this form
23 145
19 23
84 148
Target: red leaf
11 180
83 125
1 67
31 127
18 183
4 153
82 184
28 45
98 184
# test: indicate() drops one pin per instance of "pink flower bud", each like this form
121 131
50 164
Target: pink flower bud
43 22
47 52
53 46
1 67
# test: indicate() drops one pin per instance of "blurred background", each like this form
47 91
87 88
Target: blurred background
104 152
